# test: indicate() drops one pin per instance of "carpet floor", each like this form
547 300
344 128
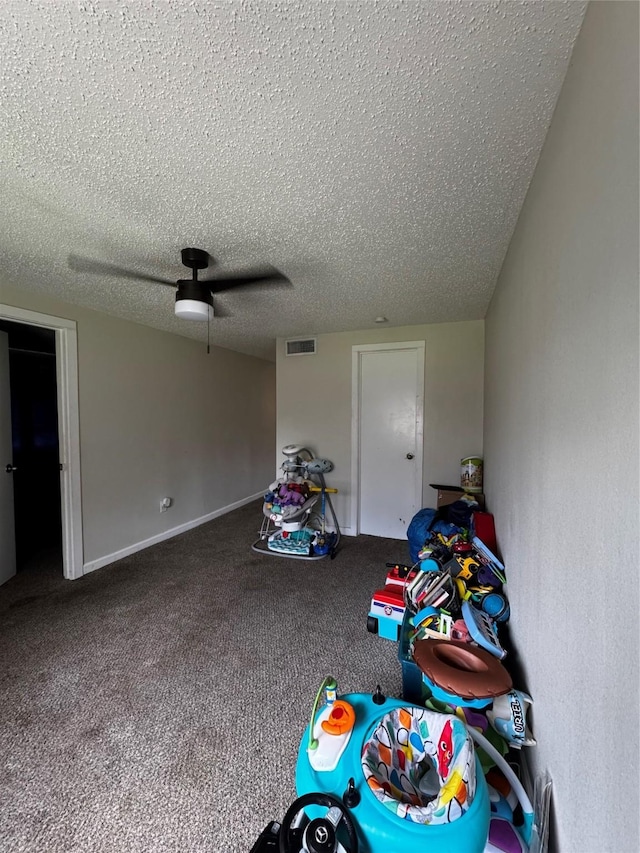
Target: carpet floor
157 704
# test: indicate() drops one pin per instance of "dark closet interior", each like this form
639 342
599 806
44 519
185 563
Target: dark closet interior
36 459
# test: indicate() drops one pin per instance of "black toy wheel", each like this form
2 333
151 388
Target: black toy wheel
320 834
372 625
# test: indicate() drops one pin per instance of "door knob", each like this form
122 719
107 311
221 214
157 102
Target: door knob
409 455
9 468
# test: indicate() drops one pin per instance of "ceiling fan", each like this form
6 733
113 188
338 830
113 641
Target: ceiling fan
194 297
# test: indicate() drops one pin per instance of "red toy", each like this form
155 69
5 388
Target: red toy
485 530
387 604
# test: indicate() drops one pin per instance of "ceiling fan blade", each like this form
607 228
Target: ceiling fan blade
219 311
218 285
87 265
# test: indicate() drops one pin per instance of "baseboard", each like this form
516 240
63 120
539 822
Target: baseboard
166 534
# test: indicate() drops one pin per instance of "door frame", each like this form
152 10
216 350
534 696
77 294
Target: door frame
68 430
356 375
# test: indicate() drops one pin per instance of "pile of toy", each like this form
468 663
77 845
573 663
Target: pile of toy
285 497
295 508
383 775
447 610
429 770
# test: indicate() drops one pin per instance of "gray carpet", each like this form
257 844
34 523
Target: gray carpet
158 704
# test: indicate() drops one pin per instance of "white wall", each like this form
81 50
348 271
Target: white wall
159 417
561 439
314 401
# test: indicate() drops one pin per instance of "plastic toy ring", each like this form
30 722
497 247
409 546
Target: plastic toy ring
341 719
461 669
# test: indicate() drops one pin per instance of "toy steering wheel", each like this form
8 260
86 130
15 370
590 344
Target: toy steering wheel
319 835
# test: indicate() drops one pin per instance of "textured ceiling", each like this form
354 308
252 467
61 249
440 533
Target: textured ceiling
377 153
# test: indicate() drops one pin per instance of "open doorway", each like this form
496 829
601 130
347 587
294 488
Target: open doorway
59 432
35 447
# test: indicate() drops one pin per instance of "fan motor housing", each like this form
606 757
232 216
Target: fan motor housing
196 290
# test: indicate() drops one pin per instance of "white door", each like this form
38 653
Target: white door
7 530
389 433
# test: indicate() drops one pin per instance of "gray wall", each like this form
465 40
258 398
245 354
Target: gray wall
561 439
159 417
314 401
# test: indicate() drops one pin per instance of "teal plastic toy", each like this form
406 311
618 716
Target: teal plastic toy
410 777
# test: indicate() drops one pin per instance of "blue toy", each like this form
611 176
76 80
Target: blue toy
495 605
386 613
379 775
411 775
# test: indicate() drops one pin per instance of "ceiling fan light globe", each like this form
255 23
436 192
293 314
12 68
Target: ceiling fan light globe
193 309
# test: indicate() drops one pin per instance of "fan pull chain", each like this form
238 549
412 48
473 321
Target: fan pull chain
208 326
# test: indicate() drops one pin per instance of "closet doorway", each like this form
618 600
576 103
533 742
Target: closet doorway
40 369
387 436
34 459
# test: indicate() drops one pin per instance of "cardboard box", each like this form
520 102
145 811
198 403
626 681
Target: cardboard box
449 494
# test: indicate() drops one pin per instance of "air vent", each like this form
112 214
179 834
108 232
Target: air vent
302 347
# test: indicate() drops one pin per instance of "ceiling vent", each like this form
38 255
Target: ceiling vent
302 347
